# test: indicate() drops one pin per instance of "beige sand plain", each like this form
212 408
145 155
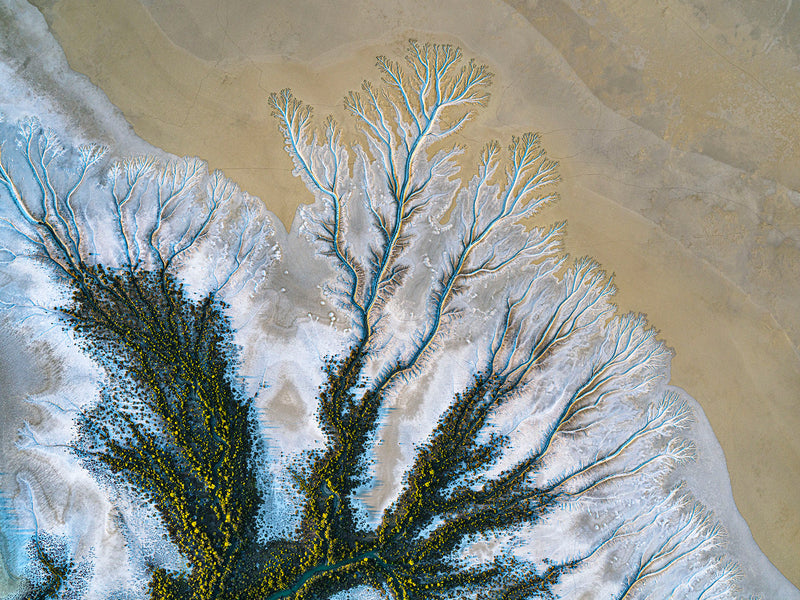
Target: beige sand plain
675 123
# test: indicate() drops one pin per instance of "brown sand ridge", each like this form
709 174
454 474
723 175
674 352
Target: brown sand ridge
675 125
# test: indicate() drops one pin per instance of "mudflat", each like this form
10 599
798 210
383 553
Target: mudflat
679 160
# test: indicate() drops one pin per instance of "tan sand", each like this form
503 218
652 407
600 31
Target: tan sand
680 186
